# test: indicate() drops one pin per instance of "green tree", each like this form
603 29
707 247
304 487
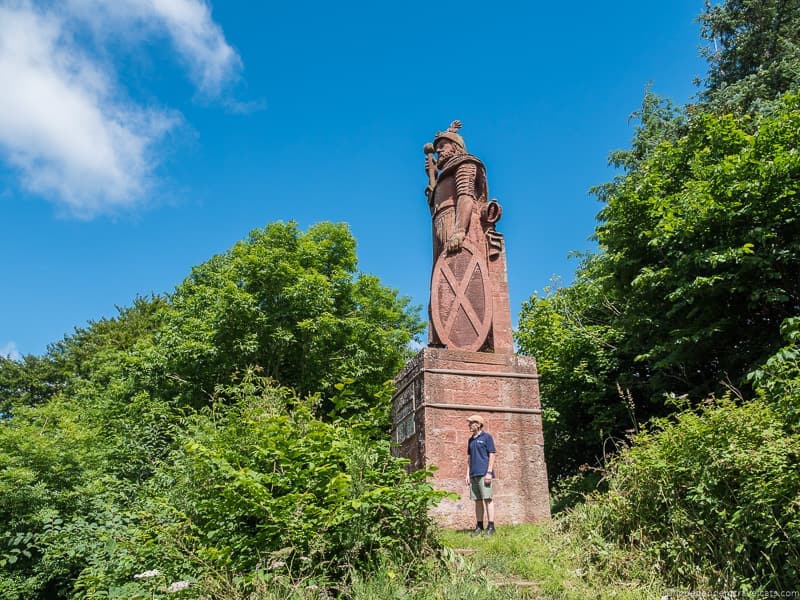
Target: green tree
698 239
31 380
97 437
701 242
261 491
569 330
708 499
752 51
293 304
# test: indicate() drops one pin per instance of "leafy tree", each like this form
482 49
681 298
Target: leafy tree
29 381
702 243
293 304
752 51
83 354
777 381
95 353
100 447
569 332
262 489
698 271
698 242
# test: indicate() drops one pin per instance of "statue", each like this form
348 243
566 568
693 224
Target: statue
469 298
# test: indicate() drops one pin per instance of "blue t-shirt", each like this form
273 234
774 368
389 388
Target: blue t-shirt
478 449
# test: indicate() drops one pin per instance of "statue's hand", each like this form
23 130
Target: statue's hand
429 163
455 241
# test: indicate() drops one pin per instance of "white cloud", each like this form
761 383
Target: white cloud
199 41
9 350
65 123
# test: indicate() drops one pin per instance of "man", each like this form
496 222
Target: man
480 473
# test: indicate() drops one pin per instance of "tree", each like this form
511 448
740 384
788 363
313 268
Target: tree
31 380
293 304
175 407
753 53
569 330
702 242
698 240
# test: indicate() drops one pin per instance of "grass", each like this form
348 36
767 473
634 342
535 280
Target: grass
542 562
536 562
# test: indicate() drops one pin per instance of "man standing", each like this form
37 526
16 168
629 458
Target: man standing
480 473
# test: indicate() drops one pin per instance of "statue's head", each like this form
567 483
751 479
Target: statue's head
448 143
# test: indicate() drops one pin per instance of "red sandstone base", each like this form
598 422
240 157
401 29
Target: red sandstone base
435 394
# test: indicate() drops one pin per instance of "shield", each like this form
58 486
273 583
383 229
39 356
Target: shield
461 299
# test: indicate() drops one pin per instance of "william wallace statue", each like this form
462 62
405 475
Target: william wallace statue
469 291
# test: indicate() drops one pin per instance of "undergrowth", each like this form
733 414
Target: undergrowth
545 562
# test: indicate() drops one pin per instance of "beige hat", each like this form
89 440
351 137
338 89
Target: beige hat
476 419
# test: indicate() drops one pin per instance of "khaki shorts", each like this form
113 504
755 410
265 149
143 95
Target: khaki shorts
478 490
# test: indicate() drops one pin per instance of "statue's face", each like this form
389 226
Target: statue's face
445 150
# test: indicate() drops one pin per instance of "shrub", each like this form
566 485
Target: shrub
710 498
259 491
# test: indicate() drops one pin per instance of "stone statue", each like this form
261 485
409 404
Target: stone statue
469 291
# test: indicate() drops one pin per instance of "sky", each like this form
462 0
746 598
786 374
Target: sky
138 138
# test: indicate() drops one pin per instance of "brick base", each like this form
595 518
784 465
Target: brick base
435 394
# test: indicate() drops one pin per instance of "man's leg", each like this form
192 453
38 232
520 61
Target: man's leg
490 516
479 518
479 512
489 510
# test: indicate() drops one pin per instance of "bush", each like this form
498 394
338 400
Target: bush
711 499
259 492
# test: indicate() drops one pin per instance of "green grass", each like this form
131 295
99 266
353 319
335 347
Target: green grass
535 562
544 563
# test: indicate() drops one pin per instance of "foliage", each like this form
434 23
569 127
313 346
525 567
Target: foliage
698 246
292 303
257 491
777 381
753 53
695 279
256 480
710 498
67 475
568 331
88 352
153 441
658 120
31 380
701 243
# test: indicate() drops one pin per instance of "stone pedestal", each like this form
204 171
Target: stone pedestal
435 394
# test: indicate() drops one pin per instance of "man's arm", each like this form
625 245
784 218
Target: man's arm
490 472
492 455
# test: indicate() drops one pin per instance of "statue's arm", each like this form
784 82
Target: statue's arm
466 175
430 171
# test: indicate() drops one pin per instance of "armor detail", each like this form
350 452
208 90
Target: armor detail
465 179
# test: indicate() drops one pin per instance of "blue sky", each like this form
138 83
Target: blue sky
140 137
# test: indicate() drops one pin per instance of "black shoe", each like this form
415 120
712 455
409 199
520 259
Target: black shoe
477 531
490 531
